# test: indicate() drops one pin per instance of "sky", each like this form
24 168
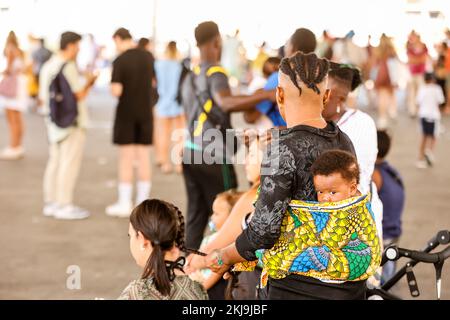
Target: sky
258 20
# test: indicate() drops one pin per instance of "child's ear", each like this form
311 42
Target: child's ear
326 96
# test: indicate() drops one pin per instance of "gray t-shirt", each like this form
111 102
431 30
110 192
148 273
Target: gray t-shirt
206 125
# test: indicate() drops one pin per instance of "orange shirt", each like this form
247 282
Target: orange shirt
447 61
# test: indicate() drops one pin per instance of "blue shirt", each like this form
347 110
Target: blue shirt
392 195
168 75
269 108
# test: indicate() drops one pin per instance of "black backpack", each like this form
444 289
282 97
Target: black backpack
63 103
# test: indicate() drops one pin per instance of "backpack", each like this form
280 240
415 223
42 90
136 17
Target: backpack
63 103
205 102
185 70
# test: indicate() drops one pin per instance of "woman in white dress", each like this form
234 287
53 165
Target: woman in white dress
13 96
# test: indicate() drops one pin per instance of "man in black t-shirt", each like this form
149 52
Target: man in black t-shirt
132 80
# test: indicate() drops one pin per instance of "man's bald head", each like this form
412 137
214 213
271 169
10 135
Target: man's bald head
302 92
302 82
306 69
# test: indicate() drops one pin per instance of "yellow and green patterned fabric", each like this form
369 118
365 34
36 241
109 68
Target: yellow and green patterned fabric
328 241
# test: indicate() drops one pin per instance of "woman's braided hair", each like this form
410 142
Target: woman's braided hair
307 68
162 224
346 73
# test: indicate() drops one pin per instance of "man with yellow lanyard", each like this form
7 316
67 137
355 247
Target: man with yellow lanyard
208 102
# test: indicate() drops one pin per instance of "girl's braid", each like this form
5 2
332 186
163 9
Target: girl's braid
180 236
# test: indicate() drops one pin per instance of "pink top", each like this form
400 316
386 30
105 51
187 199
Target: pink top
417 68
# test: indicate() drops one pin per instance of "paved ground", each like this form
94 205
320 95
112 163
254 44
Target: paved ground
37 251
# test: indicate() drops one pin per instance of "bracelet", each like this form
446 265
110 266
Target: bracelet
219 258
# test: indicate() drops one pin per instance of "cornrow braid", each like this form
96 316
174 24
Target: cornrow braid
347 73
180 236
310 69
285 67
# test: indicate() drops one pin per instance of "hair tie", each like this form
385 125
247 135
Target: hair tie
172 265
156 243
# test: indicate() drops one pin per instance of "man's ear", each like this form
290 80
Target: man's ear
326 96
280 96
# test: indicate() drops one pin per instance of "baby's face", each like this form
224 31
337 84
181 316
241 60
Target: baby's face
221 211
333 188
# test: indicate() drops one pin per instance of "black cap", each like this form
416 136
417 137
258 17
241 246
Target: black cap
123 34
67 38
205 32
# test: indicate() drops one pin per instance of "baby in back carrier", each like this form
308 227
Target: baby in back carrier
336 176
333 239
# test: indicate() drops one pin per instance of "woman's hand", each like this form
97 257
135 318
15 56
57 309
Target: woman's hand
194 262
215 263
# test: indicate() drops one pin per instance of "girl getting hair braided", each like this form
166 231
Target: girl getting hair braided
180 238
156 238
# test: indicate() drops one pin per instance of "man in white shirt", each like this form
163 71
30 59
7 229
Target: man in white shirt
429 97
66 144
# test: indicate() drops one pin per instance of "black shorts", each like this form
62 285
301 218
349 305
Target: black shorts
428 127
133 132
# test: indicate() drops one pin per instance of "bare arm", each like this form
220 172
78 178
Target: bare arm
80 95
231 103
232 227
228 233
209 282
251 116
116 89
378 179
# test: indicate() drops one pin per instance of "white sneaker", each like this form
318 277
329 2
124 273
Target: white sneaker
421 164
119 210
429 157
50 209
70 212
12 153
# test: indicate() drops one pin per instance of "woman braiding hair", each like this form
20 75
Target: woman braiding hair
286 175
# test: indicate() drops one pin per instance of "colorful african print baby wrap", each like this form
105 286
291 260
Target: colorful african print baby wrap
328 241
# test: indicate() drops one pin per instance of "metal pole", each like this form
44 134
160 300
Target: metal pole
155 8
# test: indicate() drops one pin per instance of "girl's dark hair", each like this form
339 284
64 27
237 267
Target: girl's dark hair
346 73
163 225
310 69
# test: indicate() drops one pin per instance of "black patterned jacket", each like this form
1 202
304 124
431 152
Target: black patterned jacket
285 176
